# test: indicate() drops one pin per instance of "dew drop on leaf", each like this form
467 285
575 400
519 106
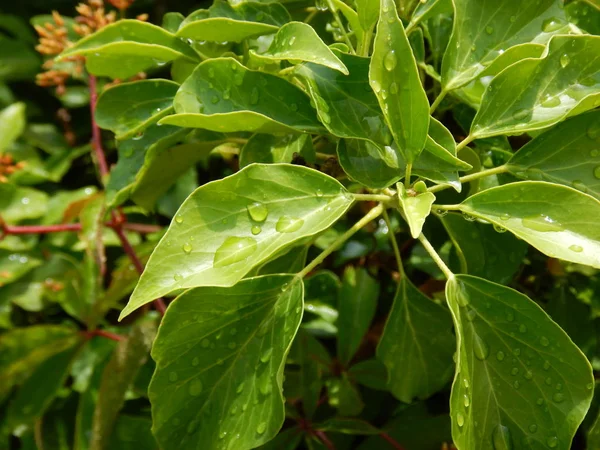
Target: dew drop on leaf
514 371
533 428
258 211
564 60
460 419
500 356
187 247
390 61
551 24
466 401
240 388
597 172
195 361
541 223
205 343
173 377
287 224
489 30
179 219
234 249
552 442
576 248
261 428
501 438
255 230
558 397
178 277
520 114
480 348
254 96
195 388
522 328
266 356
544 341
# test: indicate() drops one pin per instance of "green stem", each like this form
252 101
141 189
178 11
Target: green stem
471 177
393 242
435 256
462 144
341 25
372 198
437 101
365 46
370 216
407 176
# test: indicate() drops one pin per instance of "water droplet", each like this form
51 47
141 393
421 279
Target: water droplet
597 172
558 397
211 72
552 441
546 365
539 401
551 24
559 386
222 434
254 95
187 247
480 348
195 361
292 40
195 388
255 230
325 118
138 136
500 356
173 377
232 345
590 386
550 102
466 383
214 100
499 229
541 223
266 355
178 277
544 341
468 217
528 375
376 86
513 19
564 60
514 371
460 419
489 30
258 211
179 219
520 114
287 224
205 343
261 428
593 132
234 249
393 88
548 381
522 328
390 61
501 438
466 401
516 385
240 388
576 248
594 153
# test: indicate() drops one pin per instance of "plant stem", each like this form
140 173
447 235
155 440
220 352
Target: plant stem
471 177
391 440
324 439
393 242
371 215
407 176
371 197
435 256
105 334
341 25
63 227
462 144
96 138
437 101
365 46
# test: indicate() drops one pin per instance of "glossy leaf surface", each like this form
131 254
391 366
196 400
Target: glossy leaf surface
12 124
416 206
229 226
362 161
394 77
564 229
222 95
407 342
265 148
220 354
520 381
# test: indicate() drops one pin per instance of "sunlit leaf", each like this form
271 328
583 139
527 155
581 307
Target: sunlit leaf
416 205
362 161
268 148
12 124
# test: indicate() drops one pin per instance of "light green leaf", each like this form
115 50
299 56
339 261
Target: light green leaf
484 30
357 303
520 381
268 148
220 354
536 93
484 252
127 47
354 21
171 21
362 162
298 41
118 375
227 227
12 124
223 22
407 343
346 104
559 221
14 265
428 9
416 205
222 95
20 203
568 154
394 76
129 108
368 12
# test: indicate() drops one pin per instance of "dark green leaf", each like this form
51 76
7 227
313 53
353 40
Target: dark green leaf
362 162
268 148
370 373
344 396
347 426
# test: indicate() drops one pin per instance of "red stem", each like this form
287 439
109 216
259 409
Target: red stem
43 229
391 440
324 439
141 227
104 334
96 137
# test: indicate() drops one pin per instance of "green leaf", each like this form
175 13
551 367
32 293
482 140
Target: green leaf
520 381
120 372
362 162
222 95
419 364
484 252
557 220
416 205
584 14
371 373
346 104
428 9
368 12
227 227
220 355
347 425
132 433
484 30
18 61
298 41
357 303
268 148
13 200
306 352
344 396
127 47
14 265
12 124
171 21
293 261
234 23
286 440
129 108
536 93
394 76
568 154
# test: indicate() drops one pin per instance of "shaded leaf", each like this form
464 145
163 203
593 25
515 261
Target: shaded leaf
370 373
347 426
344 396
362 162
268 148
428 9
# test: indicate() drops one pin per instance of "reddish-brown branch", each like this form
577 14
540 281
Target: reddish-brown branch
45 229
104 334
391 441
324 439
141 227
96 137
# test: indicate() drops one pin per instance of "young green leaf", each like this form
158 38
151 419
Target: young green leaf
362 161
394 77
368 12
536 93
344 396
419 363
222 95
357 303
568 154
227 227
129 108
346 104
484 30
416 205
13 198
428 9
520 381
557 220
12 124
268 148
220 355
128 47
223 22
298 41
